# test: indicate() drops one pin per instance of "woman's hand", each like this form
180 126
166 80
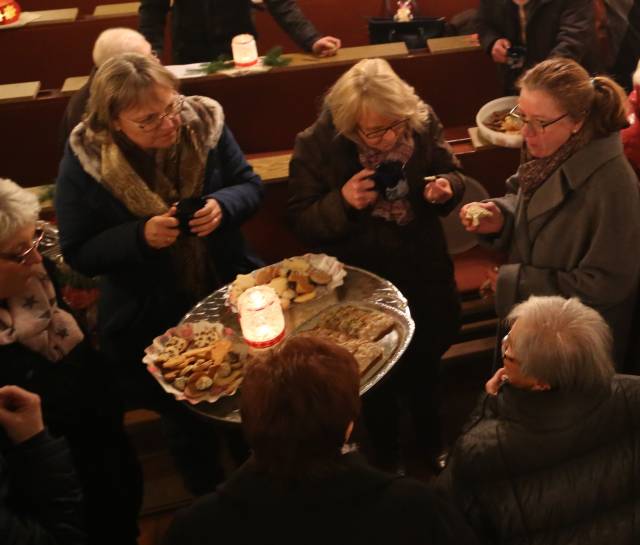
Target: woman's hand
207 219
162 231
20 413
493 384
358 191
327 46
486 225
499 50
438 191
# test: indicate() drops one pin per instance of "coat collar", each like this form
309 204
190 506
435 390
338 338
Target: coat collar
573 173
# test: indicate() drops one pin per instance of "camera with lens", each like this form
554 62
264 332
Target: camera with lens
387 175
515 57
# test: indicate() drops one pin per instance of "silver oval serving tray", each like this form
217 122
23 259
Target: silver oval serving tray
360 288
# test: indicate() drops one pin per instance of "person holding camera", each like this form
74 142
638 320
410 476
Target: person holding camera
141 148
40 494
368 182
521 33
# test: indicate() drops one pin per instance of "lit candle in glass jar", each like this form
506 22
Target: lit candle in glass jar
245 53
261 317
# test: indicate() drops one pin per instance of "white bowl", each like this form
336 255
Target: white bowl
495 137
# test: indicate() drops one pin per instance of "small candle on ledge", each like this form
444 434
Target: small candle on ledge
261 317
245 53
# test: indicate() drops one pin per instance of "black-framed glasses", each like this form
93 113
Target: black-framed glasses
536 126
378 134
22 257
154 121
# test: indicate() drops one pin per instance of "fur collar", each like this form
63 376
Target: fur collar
202 117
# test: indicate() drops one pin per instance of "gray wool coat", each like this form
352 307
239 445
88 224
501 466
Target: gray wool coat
579 236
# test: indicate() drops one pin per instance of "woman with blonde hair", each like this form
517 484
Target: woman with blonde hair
368 182
569 220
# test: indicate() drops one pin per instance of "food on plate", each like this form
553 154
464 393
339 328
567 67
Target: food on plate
370 325
476 212
501 121
200 363
366 353
295 279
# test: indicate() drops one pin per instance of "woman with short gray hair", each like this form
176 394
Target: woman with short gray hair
554 440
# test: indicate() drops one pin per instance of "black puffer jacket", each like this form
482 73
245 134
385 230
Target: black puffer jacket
203 29
552 468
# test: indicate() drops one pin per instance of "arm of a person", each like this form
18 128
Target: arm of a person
290 17
317 211
488 32
501 241
445 164
575 30
86 247
48 492
606 273
243 191
152 17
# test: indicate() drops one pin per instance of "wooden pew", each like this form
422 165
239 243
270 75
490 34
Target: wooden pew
264 111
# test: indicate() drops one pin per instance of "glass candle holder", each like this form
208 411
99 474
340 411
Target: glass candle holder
245 53
261 317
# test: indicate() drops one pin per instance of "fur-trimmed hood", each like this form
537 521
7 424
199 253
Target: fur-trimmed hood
202 117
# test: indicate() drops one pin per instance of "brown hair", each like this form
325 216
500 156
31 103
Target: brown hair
123 82
296 406
600 101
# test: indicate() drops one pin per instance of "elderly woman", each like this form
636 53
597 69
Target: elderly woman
569 220
551 455
302 484
373 122
43 350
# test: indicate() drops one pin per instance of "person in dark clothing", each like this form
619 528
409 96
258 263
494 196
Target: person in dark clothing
551 454
142 148
111 42
302 485
372 117
203 29
521 33
40 496
43 350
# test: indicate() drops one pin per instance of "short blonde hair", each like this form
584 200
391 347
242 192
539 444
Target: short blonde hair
123 82
116 41
563 343
18 208
372 85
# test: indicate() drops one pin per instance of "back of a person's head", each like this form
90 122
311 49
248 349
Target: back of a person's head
600 101
372 84
297 404
563 343
116 41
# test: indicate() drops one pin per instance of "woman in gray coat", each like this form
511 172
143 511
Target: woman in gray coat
569 221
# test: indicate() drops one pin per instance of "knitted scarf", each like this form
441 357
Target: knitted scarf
34 320
179 173
533 172
395 208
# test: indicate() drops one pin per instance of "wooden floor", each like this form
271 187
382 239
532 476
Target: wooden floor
463 381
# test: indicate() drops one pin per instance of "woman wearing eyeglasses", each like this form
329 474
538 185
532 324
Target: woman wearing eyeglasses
372 119
569 221
141 148
43 349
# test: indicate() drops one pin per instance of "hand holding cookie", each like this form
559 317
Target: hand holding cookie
358 191
438 191
474 221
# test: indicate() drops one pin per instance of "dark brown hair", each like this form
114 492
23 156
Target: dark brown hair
600 101
296 406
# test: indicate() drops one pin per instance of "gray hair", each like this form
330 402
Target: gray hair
116 41
372 84
563 343
18 208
